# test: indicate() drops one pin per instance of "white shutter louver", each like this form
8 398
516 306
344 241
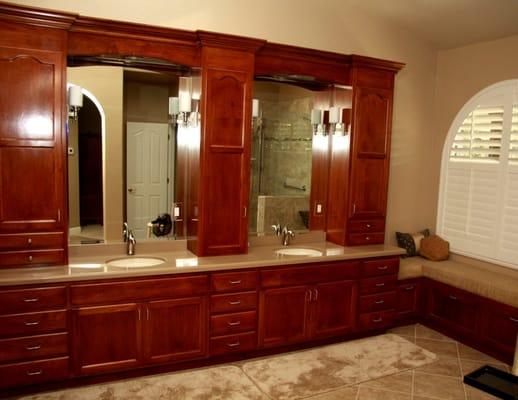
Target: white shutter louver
513 142
480 135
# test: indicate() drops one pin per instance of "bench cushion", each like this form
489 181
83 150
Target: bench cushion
499 283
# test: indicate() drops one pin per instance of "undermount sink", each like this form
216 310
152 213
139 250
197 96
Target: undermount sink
135 262
298 251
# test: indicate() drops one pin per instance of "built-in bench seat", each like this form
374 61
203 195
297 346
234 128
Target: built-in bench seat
493 282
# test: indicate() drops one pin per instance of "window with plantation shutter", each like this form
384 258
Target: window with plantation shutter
478 200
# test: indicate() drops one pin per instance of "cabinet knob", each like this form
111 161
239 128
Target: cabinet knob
380 284
367 238
452 297
410 287
32 323
29 241
385 267
368 225
30 258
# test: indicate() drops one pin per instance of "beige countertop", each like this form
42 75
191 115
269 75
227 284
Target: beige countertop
90 263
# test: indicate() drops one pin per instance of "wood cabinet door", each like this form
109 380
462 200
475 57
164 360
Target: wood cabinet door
370 152
284 316
32 95
31 189
106 338
452 308
408 295
175 330
500 327
335 309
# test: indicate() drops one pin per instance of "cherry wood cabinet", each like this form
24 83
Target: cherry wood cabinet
175 329
409 300
32 140
291 325
106 338
499 326
452 308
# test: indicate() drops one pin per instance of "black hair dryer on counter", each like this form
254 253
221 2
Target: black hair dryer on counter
162 225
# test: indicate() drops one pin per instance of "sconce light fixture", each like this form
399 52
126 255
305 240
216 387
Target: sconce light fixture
75 100
316 122
189 93
335 124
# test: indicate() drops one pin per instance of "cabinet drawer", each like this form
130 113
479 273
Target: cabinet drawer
226 303
368 225
31 257
233 343
27 241
377 320
36 299
303 275
226 324
407 298
33 372
378 302
385 266
132 291
28 348
380 284
234 281
33 323
358 239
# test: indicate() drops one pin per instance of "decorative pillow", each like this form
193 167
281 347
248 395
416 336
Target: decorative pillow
411 242
434 248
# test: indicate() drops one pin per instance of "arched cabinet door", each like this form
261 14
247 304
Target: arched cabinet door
370 152
32 157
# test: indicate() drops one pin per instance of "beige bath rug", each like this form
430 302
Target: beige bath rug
302 374
218 383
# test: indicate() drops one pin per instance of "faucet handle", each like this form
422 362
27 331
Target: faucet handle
125 232
277 229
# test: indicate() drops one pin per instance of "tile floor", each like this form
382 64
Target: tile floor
439 380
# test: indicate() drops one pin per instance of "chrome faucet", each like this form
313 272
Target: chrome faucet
286 234
277 229
130 244
125 232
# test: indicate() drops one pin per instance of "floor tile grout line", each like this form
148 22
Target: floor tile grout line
412 388
253 383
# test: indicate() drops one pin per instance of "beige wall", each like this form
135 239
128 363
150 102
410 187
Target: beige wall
318 25
462 73
106 84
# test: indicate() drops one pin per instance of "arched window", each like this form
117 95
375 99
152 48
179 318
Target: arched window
478 199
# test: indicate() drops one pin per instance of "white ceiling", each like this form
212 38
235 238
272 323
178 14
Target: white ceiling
448 23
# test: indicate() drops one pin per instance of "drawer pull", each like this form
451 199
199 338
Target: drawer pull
513 319
367 238
29 241
377 320
32 323
380 284
384 268
30 258
33 373
31 299
235 303
380 302
35 347
238 282
368 225
452 297
236 323
235 344
410 287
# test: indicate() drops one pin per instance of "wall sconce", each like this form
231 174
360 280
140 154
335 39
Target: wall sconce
316 122
174 110
189 94
75 100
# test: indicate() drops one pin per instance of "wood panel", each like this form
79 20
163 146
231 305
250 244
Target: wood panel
319 182
289 326
335 308
175 330
107 338
33 323
32 299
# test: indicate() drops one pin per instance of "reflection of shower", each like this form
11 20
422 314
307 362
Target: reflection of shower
260 133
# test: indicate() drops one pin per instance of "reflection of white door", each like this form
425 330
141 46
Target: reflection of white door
146 174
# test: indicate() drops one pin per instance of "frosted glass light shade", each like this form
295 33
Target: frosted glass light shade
196 88
75 96
185 92
174 106
316 116
334 115
255 108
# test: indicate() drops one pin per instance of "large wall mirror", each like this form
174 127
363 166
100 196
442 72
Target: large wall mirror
293 119
127 145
